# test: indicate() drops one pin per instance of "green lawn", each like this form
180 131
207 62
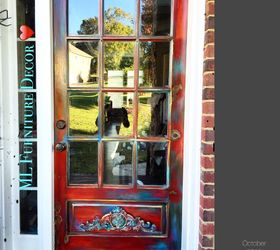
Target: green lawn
83 112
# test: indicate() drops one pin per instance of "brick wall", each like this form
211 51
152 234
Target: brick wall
206 239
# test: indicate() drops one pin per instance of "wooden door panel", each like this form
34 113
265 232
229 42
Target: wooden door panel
117 218
138 205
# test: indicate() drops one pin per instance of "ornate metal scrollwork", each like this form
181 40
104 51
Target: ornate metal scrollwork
118 220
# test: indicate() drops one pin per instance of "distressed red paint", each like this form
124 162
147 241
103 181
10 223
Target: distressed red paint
66 219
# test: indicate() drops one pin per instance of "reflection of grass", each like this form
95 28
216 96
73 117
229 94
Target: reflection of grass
83 112
83 157
144 116
127 131
144 119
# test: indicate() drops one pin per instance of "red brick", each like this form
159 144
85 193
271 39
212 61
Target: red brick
207 189
207 229
209 36
208 176
210 8
209 79
204 248
208 107
206 241
209 51
209 65
208 215
210 22
207 162
207 149
208 135
208 121
208 94
207 202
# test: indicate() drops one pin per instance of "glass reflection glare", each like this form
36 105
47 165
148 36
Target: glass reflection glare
118 163
152 114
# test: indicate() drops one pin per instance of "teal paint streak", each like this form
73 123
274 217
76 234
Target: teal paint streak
176 226
178 67
159 246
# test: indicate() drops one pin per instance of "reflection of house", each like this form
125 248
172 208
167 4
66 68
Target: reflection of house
79 65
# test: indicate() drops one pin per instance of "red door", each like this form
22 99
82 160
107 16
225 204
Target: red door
119 104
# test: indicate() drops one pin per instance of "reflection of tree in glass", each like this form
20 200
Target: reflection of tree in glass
89 26
155 17
117 22
147 17
148 63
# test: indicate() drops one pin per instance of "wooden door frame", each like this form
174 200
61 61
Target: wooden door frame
44 31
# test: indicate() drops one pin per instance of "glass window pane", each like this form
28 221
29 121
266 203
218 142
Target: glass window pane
28 212
119 17
154 64
118 113
82 17
118 163
25 17
83 161
152 114
155 17
119 64
151 163
83 64
83 113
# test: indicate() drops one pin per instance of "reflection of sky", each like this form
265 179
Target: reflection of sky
127 5
83 9
80 10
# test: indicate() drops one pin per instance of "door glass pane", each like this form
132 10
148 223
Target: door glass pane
83 159
119 65
82 17
151 163
118 163
154 64
118 113
83 113
119 17
28 212
155 17
83 64
152 114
